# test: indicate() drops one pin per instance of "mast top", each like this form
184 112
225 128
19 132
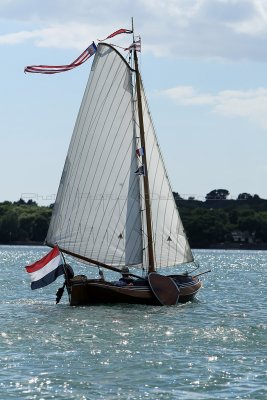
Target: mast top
133 27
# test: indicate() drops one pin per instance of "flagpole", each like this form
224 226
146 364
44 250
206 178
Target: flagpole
133 29
65 273
131 50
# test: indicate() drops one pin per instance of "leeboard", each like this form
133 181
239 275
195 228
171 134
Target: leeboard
164 288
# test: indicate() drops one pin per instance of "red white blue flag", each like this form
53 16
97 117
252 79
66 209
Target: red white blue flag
118 32
46 270
140 170
50 69
135 45
140 152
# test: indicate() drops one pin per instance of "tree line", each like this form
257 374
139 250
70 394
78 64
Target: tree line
216 221
22 221
228 223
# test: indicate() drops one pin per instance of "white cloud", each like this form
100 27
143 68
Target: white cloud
231 29
19 37
71 35
187 95
256 24
251 104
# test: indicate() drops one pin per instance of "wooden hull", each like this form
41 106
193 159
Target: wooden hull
83 291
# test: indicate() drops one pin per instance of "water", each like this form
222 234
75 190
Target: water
213 348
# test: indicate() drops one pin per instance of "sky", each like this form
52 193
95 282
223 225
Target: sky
203 64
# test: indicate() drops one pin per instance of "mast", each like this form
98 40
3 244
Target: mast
151 263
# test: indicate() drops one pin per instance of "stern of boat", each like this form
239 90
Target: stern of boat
85 291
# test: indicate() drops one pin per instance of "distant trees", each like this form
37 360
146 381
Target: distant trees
247 196
217 194
205 227
22 202
207 223
208 226
177 196
39 227
244 196
8 226
222 194
23 221
215 222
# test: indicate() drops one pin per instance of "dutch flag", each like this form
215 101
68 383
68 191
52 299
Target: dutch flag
46 270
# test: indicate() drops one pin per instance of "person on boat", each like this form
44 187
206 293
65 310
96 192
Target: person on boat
125 280
101 275
69 274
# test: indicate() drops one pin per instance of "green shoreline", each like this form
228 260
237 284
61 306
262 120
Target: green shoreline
212 224
214 246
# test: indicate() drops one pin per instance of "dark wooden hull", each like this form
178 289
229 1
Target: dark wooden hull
83 291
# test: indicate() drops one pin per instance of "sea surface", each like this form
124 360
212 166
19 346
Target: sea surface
212 348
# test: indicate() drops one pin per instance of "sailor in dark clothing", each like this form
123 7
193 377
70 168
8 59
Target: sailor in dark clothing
125 280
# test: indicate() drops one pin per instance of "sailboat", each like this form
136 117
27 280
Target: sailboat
115 208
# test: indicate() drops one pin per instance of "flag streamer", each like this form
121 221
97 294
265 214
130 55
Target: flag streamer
118 32
134 46
49 69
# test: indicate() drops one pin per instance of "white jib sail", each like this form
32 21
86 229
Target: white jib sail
97 209
170 243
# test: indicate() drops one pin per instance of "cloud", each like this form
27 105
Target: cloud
229 29
19 37
71 35
251 104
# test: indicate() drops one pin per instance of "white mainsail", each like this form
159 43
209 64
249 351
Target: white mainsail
97 209
98 213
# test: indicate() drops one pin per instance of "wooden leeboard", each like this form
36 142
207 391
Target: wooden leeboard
164 288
